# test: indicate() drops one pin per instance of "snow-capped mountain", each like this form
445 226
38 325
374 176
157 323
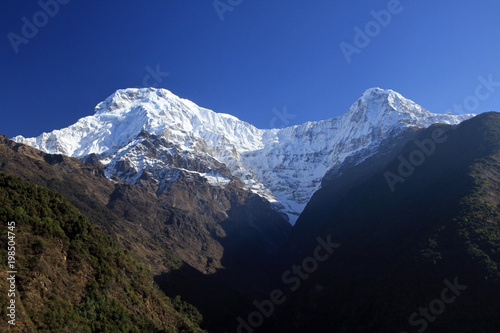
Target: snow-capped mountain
152 132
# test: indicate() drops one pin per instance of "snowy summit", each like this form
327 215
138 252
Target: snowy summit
285 166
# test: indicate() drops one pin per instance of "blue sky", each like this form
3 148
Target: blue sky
263 56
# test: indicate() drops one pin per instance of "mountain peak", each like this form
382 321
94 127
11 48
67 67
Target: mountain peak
379 106
390 97
285 166
380 96
121 97
374 91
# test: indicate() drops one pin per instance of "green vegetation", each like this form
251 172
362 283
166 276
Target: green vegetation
73 277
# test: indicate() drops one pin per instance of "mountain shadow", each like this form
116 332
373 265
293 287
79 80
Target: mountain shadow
429 220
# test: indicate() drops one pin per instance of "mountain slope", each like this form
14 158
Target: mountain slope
71 277
192 236
400 247
152 133
202 224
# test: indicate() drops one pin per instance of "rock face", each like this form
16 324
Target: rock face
208 227
210 244
150 135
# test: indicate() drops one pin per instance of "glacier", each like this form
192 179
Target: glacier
284 166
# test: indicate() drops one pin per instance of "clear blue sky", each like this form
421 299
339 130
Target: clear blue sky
263 55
